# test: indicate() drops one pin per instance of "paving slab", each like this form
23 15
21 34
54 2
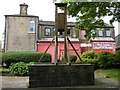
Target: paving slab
14 82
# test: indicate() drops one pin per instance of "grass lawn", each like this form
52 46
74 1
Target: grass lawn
112 73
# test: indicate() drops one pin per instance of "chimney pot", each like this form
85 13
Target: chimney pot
23 9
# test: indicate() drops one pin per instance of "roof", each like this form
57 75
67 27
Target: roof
70 24
60 4
117 36
52 23
117 40
18 15
106 26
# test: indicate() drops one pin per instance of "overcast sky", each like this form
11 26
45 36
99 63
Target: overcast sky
45 9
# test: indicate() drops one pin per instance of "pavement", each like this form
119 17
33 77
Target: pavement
23 82
14 82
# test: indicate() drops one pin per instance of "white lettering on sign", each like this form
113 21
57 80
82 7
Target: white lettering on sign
102 45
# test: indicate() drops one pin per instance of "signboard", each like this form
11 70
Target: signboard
102 45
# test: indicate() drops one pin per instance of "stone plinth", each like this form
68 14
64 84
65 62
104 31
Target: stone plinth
48 75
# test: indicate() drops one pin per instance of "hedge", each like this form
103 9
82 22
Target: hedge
108 60
104 60
73 58
14 57
89 55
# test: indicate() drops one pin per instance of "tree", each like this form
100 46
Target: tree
90 14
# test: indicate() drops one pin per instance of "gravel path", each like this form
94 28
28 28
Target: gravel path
23 82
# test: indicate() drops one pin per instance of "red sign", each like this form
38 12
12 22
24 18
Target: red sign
102 45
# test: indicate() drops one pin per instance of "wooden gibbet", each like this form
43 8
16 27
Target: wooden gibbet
61 28
61 75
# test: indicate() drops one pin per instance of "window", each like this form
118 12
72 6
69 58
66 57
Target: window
39 32
93 33
100 33
31 27
60 31
107 33
68 31
47 31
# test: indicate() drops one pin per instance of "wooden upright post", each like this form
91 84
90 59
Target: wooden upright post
56 36
61 26
65 34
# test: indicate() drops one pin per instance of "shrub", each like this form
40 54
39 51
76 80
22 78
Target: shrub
4 70
19 69
14 57
89 54
116 60
46 58
89 57
88 61
106 60
73 58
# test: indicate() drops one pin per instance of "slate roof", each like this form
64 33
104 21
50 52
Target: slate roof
117 40
52 23
70 24
18 15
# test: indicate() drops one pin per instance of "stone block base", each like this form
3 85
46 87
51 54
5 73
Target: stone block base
48 75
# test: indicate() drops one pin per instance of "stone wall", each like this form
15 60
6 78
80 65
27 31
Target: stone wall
48 75
17 33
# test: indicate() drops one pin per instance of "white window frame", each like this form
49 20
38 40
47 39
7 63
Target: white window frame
106 34
100 33
47 31
31 26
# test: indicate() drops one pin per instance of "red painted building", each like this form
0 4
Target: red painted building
43 45
46 34
104 44
104 40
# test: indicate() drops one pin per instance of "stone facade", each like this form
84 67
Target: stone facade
117 39
118 27
18 36
43 25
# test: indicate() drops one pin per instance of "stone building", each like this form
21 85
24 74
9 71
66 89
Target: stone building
21 31
117 38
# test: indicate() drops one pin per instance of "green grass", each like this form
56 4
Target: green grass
112 73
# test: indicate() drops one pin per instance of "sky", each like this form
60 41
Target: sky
45 9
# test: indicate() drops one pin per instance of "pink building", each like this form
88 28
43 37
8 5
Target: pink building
46 29
104 40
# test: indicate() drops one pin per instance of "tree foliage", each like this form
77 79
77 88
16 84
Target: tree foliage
90 14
